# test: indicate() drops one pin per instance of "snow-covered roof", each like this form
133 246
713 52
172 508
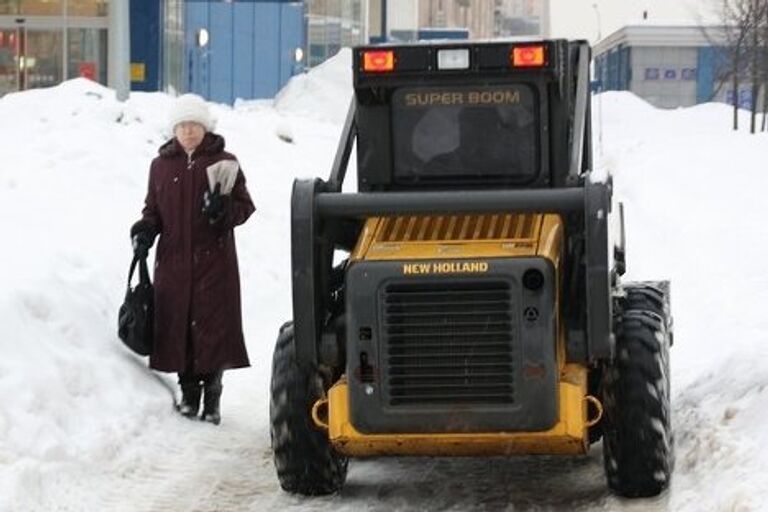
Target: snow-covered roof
663 33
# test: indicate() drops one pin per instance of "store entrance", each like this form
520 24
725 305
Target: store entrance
9 60
29 58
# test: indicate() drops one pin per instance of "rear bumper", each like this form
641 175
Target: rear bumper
567 437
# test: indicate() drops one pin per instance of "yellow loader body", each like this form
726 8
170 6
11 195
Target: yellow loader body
432 244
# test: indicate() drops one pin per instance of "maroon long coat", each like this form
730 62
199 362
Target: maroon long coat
198 321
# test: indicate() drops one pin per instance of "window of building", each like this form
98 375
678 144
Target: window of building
332 24
87 56
48 41
173 46
40 64
30 59
34 7
9 74
689 74
92 8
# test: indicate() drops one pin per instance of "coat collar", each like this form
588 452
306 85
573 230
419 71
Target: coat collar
212 144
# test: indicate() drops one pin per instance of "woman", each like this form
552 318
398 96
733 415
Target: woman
196 197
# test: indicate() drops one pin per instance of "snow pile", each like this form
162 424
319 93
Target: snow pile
82 427
72 180
694 193
324 93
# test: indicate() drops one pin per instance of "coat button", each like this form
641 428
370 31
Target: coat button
175 179
194 323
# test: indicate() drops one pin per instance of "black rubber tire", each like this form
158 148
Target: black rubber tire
304 458
637 435
639 297
644 297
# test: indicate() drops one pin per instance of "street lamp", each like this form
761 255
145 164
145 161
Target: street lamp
599 80
599 22
203 36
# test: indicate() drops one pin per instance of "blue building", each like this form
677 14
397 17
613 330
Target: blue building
219 49
667 65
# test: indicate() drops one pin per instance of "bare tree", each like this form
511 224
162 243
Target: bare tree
758 11
746 31
764 63
733 19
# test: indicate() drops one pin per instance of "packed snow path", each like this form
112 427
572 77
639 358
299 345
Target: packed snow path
180 465
83 429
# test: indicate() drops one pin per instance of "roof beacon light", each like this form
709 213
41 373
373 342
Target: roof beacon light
457 58
380 61
528 56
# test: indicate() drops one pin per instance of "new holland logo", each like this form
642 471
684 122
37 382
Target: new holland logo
446 267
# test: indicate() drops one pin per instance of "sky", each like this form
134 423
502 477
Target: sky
575 19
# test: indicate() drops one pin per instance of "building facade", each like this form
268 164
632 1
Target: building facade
220 49
667 65
477 16
43 42
522 18
332 25
411 20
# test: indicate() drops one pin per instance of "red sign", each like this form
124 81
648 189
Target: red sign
88 70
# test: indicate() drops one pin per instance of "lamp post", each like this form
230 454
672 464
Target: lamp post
599 99
599 22
119 48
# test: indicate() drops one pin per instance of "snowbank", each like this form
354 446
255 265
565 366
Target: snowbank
72 180
324 93
694 192
82 427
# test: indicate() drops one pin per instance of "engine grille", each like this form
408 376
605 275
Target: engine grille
522 228
449 343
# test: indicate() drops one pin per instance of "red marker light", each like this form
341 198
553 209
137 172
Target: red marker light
528 56
378 61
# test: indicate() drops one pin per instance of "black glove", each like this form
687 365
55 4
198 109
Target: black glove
142 237
215 205
141 245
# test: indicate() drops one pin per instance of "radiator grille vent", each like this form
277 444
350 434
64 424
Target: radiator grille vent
458 227
449 343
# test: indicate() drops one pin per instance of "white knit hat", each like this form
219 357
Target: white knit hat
191 108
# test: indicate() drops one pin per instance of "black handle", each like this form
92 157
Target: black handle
143 270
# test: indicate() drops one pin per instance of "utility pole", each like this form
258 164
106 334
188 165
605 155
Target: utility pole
384 36
119 45
599 22
599 98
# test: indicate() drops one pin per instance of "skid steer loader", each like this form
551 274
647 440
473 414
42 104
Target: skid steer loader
465 301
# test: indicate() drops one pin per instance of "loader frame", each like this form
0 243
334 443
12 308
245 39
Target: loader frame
325 219
479 311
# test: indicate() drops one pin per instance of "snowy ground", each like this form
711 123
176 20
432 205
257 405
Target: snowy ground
83 427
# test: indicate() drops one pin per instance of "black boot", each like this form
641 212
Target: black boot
212 387
191 389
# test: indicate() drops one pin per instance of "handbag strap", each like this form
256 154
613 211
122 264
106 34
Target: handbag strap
143 270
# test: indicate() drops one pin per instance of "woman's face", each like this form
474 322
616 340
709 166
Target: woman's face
189 134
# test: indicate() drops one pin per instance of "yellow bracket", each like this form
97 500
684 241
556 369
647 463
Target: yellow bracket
319 422
594 401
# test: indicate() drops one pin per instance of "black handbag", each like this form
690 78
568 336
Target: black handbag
136 317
